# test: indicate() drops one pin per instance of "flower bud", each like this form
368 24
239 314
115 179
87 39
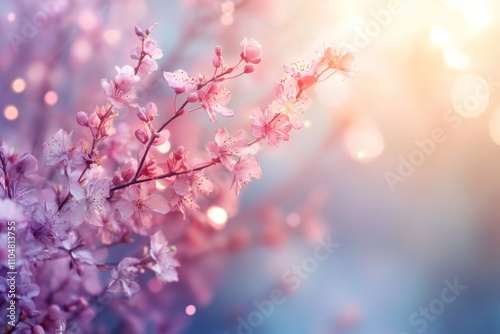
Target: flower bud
251 51
179 153
54 312
94 120
216 61
150 28
80 270
142 136
37 329
218 51
142 116
151 110
82 118
116 180
249 68
138 32
193 97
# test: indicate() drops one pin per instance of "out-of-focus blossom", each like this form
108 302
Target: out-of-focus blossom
163 255
245 170
25 169
124 276
10 210
251 51
338 59
58 149
140 200
90 201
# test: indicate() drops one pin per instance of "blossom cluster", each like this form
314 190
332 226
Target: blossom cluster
103 187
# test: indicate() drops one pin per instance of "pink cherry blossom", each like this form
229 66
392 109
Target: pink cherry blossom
151 53
186 187
90 201
304 73
245 170
286 102
180 81
194 181
251 51
273 127
124 276
140 200
340 59
215 99
25 169
226 148
121 91
163 255
58 149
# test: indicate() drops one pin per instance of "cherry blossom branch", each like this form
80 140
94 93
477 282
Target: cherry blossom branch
162 176
179 112
7 181
95 139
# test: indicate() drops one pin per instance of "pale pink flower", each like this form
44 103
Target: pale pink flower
184 184
245 170
124 276
215 99
251 51
180 81
140 200
163 256
58 148
109 230
225 147
90 201
151 53
303 73
185 187
183 203
121 91
338 59
25 169
273 127
286 102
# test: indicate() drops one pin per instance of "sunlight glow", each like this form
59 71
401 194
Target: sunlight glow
217 217
363 141
163 148
440 36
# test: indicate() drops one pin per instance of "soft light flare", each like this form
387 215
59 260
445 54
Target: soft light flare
51 98
217 217
363 141
10 113
190 310
440 36
164 148
18 85
112 36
